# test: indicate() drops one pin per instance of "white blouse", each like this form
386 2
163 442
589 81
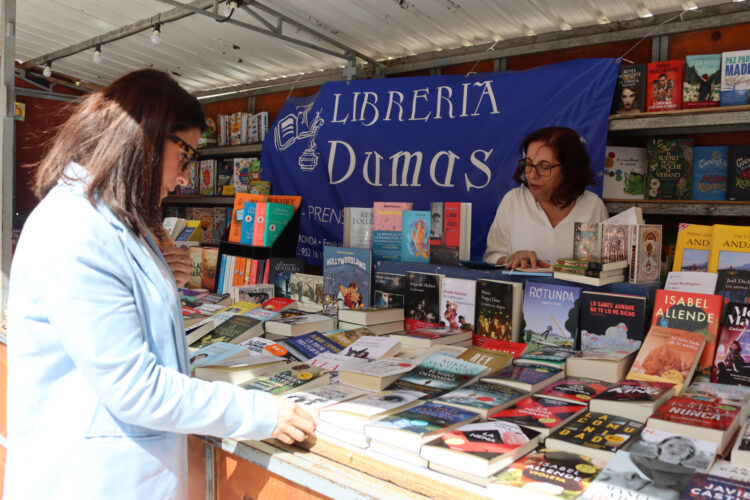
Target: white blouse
521 224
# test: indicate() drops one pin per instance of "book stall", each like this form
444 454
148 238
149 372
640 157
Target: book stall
337 246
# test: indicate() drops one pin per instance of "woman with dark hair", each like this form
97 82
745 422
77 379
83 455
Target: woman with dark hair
100 401
534 222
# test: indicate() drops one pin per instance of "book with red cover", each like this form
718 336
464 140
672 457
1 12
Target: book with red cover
540 413
664 85
445 233
694 312
698 412
277 303
514 348
732 362
579 389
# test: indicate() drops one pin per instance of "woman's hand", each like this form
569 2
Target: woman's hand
178 260
524 259
293 423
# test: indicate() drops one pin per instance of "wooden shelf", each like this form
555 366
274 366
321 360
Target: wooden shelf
199 200
242 149
682 207
684 121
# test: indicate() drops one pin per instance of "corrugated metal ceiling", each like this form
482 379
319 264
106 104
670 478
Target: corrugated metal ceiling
204 54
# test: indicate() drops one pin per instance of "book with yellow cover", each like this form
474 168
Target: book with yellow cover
693 248
730 248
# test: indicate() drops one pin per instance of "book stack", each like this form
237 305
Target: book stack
378 321
590 272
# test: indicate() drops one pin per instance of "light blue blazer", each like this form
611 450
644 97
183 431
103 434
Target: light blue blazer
99 400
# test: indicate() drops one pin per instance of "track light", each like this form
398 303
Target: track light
47 69
229 8
156 34
98 53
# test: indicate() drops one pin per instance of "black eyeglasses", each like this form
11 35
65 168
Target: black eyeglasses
543 169
189 155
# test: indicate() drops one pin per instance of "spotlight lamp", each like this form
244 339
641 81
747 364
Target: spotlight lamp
47 69
156 34
98 54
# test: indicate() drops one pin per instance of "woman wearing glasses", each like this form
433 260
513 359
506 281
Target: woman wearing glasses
533 225
99 395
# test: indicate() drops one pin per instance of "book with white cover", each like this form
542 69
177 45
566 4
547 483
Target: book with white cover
691 281
355 413
457 303
334 362
321 397
299 325
377 375
372 348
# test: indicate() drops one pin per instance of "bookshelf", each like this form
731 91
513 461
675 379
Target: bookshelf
683 121
215 201
682 207
224 151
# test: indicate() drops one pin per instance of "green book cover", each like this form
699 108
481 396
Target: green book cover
669 169
278 216
226 331
286 380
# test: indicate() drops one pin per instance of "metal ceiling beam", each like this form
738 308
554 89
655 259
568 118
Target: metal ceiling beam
119 33
46 94
8 145
276 32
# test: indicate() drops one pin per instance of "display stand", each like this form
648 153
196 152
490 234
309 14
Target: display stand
285 245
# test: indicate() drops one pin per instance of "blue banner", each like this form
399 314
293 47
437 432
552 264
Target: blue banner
424 139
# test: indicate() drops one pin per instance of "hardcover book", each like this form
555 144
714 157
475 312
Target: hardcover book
499 309
482 397
542 414
738 173
612 321
741 449
735 78
306 288
280 271
693 248
664 85
550 314
579 390
630 90
694 312
614 244
457 303
346 278
669 169
624 173
586 241
224 178
278 216
710 168
439 374
668 355
422 300
388 289
450 232
310 345
415 232
290 378
732 362
598 435
241 173
730 248
645 264
525 377
701 86
357 227
715 421
634 399
657 465
386 229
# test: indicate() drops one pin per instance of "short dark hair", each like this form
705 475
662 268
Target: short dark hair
575 162
118 135
663 74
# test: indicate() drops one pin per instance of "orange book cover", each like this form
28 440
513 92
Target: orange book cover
254 272
248 277
238 267
235 227
208 267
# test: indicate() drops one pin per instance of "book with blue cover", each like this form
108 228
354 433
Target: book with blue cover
735 78
710 165
248 223
309 345
347 277
550 314
415 232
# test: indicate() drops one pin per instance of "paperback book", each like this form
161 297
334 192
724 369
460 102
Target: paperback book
612 321
645 264
732 363
450 232
355 413
439 374
735 78
730 248
664 85
539 413
290 378
525 377
321 397
498 309
357 227
630 90
703 486
309 345
710 168
693 248
346 278
457 303
634 399
669 169
306 288
415 232
701 87
422 300
279 272
386 229
388 289
579 390
624 173
738 173
733 286
482 398
550 314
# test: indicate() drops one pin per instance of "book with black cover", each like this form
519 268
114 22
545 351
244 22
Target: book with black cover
422 300
612 321
279 270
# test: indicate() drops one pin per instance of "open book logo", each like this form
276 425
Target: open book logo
297 126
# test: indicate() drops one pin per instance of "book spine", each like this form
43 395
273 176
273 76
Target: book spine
222 268
260 224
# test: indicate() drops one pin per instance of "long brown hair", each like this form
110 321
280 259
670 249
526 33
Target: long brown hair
575 162
118 135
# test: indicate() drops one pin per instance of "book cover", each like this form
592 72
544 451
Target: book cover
438 374
205 215
539 412
210 256
248 223
645 265
586 239
422 301
388 289
485 440
635 391
730 248
669 168
213 353
279 273
371 347
495 310
306 288
554 356
278 216
630 90
698 412
225 178
550 314
346 278
259 224
237 326
664 85
580 390
598 431
735 78
241 173
526 374
614 243
289 378
321 397
481 395
220 222
445 232
357 227
710 167
668 355
457 303
424 419
310 345
738 173
732 361
693 248
624 173
386 229
612 321
491 358
557 474
701 86
694 312
415 232
370 405
704 486
733 286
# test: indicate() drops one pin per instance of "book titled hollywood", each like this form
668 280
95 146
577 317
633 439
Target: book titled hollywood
346 278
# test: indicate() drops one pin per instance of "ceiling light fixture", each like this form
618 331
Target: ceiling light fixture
644 12
47 69
156 34
97 54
